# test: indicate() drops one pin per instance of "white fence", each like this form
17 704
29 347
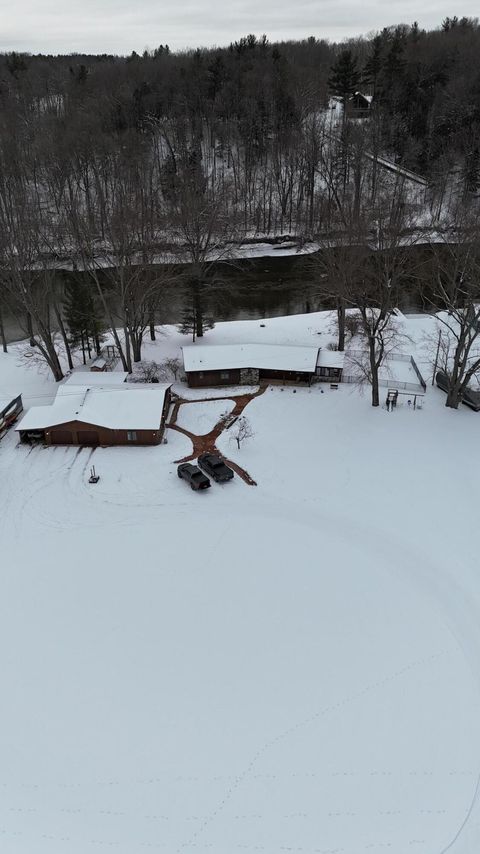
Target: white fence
352 373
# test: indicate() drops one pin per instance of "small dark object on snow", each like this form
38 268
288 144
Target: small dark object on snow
193 476
215 467
94 477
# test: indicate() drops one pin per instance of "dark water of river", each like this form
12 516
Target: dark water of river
249 289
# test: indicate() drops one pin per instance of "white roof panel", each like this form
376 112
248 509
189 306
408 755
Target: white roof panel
91 379
116 409
330 359
218 357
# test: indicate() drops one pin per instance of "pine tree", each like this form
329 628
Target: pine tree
374 64
82 317
189 322
471 170
344 76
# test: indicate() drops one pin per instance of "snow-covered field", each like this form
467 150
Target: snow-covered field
201 417
282 668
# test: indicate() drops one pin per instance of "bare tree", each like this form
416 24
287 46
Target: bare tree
453 285
202 220
242 430
31 294
367 272
173 366
146 372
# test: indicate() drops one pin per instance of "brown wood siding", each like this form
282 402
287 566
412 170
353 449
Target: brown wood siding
202 379
79 433
88 437
62 437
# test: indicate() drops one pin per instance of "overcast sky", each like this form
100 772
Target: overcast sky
120 26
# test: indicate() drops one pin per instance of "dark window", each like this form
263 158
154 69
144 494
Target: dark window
131 436
224 375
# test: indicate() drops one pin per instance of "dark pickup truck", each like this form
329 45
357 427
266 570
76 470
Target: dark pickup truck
193 476
470 397
215 467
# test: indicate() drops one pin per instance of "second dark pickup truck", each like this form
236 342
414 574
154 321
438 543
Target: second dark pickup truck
214 466
193 476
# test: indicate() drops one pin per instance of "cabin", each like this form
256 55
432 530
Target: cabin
10 409
359 106
99 416
248 364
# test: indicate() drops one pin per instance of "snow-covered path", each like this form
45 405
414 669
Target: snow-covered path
287 668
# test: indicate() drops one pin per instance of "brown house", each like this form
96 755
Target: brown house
248 364
99 416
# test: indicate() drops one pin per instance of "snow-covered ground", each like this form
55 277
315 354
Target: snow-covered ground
201 417
287 667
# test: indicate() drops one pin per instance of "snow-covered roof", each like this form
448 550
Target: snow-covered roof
116 409
263 356
89 379
330 359
98 363
368 98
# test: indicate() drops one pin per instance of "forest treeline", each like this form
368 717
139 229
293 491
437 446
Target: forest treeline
426 86
141 172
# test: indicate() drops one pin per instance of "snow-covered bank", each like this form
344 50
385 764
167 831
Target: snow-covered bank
282 667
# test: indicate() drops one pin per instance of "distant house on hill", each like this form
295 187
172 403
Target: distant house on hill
92 416
359 106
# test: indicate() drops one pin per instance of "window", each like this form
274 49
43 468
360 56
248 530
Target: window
131 436
224 375
200 375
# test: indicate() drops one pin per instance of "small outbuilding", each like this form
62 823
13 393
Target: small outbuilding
10 409
359 106
99 365
330 366
247 364
99 416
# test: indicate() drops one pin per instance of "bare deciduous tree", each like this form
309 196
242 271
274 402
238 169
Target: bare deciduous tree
242 430
173 366
453 285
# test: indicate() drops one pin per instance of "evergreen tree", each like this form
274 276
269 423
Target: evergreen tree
82 317
189 322
471 170
344 76
374 64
